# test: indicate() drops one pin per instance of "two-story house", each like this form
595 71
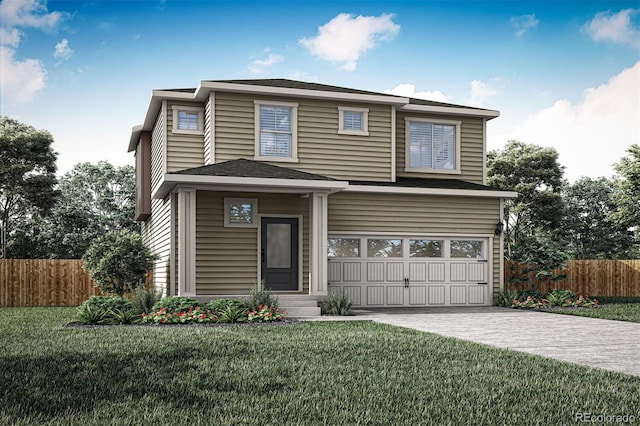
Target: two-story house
312 188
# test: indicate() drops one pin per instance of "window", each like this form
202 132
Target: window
240 212
188 120
384 248
343 247
276 131
432 146
425 248
353 121
467 249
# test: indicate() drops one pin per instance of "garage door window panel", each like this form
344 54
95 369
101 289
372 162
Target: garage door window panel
467 249
426 248
384 248
343 247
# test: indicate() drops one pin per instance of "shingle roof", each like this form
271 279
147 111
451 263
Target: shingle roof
253 169
294 84
404 182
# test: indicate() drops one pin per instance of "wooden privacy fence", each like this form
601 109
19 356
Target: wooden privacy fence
589 277
45 282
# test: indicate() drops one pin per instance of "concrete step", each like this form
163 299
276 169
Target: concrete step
297 312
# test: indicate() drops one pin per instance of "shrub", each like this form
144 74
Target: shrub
177 304
144 299
560 297
535 294
219 305
122 317
118 262
506 297
337 303
259 296
101 309
265 314
530 303
585 302
233 313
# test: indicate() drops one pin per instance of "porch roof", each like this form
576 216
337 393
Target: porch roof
250 168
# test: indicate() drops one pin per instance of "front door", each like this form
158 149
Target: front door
279 253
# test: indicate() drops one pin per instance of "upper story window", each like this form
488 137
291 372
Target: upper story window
432 146
353 121
276 131
188 120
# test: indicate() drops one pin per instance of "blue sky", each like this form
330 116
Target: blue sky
563 74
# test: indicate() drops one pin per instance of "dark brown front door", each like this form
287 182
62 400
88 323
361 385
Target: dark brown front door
279 253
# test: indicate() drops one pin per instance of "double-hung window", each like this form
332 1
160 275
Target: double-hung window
353 121
188 120
432 146
276 131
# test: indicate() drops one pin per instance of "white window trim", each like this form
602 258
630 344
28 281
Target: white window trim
176 109
294 132
365 121
254 212
407 141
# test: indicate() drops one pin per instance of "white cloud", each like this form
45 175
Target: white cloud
10 37
345 38
29 13
592 134
409 90
617 27
523 23
20 81
480 91
62 50
258 66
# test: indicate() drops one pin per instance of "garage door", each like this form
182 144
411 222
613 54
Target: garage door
410 271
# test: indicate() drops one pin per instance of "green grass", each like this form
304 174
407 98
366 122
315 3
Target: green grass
315 373
611 311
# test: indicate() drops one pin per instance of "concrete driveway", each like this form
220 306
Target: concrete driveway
606 344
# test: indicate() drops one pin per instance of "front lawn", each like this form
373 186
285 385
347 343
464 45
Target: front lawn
611 311
315 373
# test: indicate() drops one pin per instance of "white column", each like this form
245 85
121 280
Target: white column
318 244
186 241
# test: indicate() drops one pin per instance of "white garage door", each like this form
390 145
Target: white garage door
410 271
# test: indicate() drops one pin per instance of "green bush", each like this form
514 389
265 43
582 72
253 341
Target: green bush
233 313
560 297
118 262
144 299
259 296
337 303
219 305
506 297
102 310
176 304
534 294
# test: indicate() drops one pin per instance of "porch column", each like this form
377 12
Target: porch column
186 241
318 244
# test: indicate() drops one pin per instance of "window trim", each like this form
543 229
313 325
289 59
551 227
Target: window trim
407 147
177 109
294 132
365 121
254 212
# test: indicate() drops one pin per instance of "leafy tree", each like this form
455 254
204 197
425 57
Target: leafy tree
534 172
541 254
94 199
587 227
118 262
627 192
27 177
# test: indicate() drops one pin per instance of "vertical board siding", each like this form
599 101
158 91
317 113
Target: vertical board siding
600 278
419 215
471 146
183 151
45 282
227 257
321 149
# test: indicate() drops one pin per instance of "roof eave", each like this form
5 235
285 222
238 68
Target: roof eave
437 109
431 191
